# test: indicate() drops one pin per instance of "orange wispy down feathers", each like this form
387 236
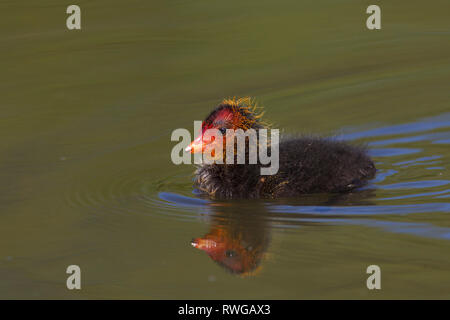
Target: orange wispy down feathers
249 108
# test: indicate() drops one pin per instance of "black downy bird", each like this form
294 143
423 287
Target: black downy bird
306 164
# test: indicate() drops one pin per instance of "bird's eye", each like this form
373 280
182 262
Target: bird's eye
223 130
230 253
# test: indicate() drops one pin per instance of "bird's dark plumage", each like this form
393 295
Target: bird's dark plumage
306 164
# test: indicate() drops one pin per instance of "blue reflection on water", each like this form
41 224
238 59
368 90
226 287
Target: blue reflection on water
391 152
418 229
432 123
371 210
415 184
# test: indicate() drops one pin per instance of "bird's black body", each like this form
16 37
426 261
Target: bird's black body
307 165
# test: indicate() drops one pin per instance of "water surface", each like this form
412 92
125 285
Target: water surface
85 170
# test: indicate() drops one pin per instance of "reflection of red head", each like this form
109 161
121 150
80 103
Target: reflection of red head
229 251
231 114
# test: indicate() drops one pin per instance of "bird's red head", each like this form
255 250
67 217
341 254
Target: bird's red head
233 114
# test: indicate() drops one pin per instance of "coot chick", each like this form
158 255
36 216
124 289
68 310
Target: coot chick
306 164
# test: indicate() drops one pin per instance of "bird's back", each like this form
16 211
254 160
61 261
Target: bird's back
310 165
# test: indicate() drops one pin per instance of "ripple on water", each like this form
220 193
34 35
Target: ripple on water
126 193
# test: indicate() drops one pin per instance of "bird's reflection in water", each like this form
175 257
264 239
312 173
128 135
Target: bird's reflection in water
239 237
240 232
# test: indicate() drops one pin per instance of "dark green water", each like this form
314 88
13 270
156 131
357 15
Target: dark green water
85 170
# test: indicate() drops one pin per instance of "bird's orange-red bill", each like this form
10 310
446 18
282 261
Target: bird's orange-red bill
199 144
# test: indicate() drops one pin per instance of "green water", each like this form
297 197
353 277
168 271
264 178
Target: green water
86 118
